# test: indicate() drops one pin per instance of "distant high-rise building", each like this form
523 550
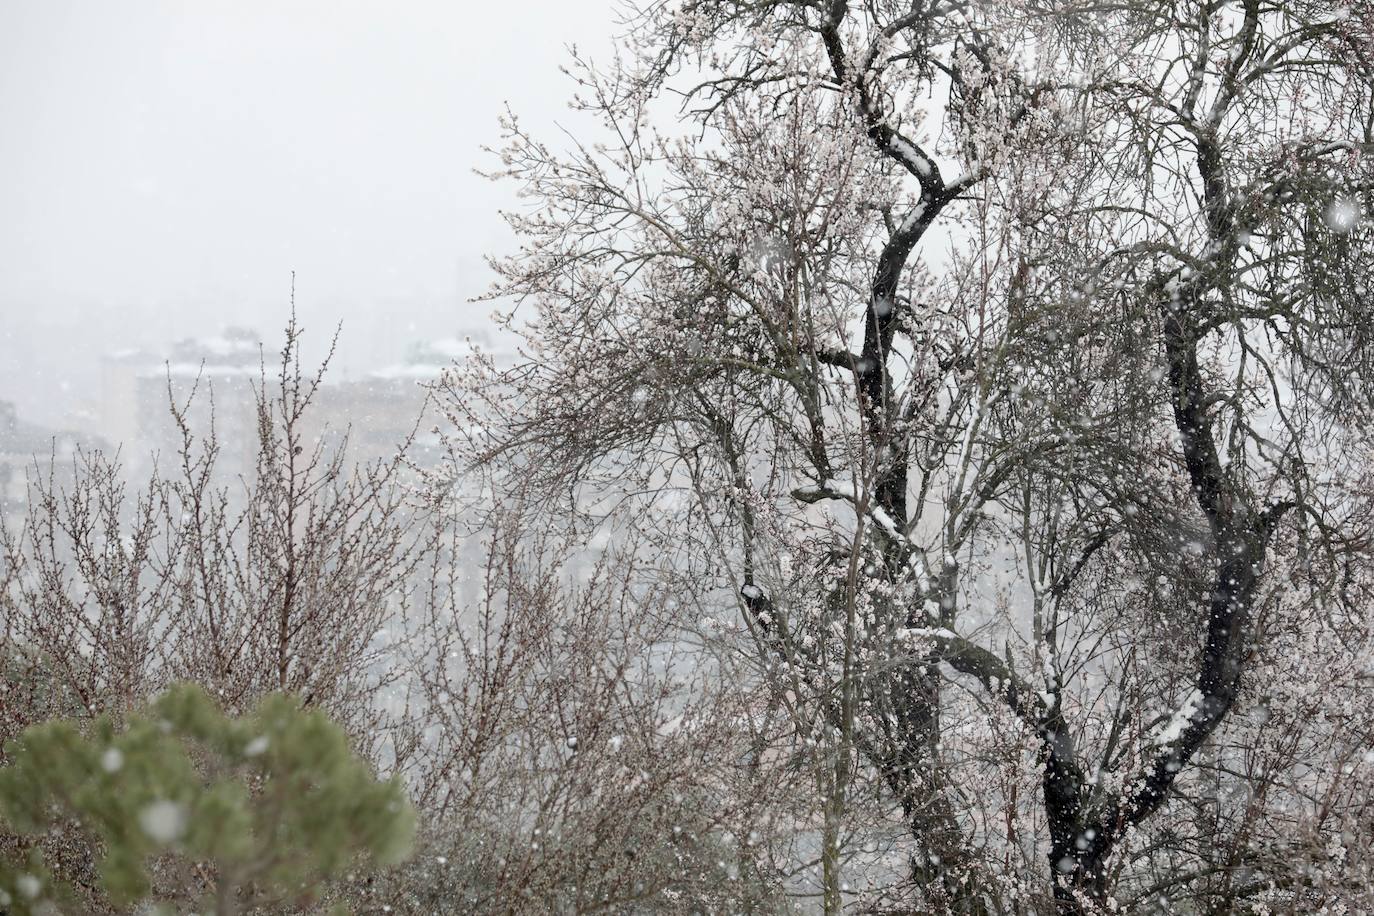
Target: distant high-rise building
118 417
214 379
211 381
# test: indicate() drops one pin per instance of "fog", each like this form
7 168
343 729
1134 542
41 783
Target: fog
167 165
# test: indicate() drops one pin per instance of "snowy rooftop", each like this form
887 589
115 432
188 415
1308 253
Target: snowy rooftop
234 351
238 352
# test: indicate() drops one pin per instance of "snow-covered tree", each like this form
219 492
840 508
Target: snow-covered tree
995 378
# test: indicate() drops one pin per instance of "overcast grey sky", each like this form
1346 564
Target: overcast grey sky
165 165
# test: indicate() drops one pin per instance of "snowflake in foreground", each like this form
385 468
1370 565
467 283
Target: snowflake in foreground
1342 214
163 821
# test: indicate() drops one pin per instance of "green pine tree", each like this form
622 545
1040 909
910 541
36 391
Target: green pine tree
195 811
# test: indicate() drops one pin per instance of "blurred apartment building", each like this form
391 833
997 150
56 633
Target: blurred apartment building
214 381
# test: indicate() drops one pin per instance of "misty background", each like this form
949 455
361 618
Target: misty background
165 166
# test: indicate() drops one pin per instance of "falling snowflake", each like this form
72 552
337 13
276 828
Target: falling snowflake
28 885
163 821
112 760
1342 214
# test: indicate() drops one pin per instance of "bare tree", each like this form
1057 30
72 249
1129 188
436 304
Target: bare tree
1019 481
290 579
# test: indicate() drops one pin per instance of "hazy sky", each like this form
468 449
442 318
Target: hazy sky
166 164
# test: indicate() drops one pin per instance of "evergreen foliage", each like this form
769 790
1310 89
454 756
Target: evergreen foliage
193 808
